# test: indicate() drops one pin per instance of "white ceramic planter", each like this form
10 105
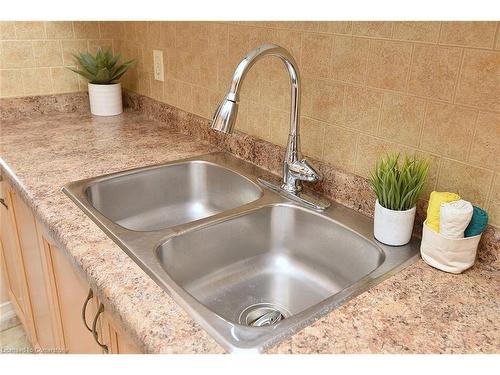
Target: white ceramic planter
105 100
391 227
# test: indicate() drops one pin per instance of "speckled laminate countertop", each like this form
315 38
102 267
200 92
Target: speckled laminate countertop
419 310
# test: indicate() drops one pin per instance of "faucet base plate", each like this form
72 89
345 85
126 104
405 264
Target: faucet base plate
308 200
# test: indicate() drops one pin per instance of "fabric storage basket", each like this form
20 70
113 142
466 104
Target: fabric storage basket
453 255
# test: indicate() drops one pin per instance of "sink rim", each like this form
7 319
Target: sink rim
141 247
92 181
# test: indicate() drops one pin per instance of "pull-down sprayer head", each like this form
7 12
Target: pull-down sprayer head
225 116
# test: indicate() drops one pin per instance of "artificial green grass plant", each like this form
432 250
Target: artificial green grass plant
101 69
398 183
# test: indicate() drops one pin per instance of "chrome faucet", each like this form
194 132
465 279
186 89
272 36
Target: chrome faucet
295 169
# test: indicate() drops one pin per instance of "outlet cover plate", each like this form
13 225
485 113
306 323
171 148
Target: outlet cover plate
158 65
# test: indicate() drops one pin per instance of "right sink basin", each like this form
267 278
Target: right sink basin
276 258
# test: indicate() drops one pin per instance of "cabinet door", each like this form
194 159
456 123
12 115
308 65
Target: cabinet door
125 345
12 263
71 292
117 341
35 278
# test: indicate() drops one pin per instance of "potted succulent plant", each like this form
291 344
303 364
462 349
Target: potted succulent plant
397 184
103 72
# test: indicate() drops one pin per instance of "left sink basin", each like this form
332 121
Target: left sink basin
159 197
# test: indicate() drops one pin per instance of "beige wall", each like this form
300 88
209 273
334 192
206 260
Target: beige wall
33 55
429 88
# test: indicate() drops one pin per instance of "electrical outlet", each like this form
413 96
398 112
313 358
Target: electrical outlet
158 64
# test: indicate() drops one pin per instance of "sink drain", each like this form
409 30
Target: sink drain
262 315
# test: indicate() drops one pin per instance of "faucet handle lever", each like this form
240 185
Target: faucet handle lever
304 171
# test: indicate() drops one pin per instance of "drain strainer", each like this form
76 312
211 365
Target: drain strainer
262 315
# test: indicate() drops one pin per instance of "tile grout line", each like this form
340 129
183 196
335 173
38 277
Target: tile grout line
459 74
323 140
332 52
62 60
356 151
438 173
473 138
410 67
489 193
99 29
489 196
15 32
421 135
45 30
440 33
25 92
365 75
51 72
497 36
465 163
343 113
378 126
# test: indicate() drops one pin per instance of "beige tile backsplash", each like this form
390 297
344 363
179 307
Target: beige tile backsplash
389 64
429 88
33 55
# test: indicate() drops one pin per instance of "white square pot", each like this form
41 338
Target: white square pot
391 227
105 100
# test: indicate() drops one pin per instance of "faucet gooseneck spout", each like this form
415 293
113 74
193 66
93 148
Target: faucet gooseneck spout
295 170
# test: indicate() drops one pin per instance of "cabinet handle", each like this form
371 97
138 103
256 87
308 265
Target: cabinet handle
2 202
84 309
94 328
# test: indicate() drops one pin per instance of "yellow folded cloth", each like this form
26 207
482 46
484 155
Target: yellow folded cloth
433 210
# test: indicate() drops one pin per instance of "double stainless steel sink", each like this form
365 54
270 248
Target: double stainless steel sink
247 264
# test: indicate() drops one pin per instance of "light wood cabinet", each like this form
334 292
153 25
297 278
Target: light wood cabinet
115 339
47 291
13 264
34 271
70 293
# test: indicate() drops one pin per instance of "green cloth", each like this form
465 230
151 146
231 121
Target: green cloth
478 222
